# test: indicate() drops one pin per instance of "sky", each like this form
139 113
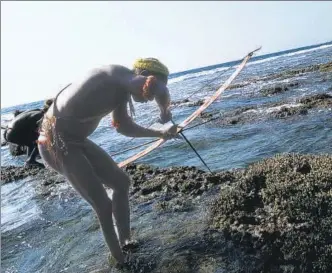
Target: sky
46 45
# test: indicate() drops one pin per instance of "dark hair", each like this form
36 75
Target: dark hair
17 112
47 105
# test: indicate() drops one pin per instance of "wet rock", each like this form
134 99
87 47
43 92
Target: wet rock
172 183
46 179
308 102
277 88
187 102
206 115
288 111
317 100
13 173
325 67
238 85
175 103
280 211
197 103
236 116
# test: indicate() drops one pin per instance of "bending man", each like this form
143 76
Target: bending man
23 131
76 113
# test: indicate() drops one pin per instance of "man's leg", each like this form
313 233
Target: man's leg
80 173
116 179
32 153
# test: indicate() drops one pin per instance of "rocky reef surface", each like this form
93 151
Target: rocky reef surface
273 216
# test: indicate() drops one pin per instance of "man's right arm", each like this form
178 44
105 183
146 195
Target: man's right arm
125 125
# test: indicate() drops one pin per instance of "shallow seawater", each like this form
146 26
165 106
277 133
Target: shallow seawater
17 206
61 233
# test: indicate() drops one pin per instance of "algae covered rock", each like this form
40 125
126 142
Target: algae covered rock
280 212
12 173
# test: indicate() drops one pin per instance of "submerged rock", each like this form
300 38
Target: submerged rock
279 212
324 67
45 178
279 110
238 85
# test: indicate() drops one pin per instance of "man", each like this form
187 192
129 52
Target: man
76 113
22 133
14 149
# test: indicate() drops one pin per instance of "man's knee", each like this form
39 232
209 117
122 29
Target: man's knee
102 205
9 135
124 182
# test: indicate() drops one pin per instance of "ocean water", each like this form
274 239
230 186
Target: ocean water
222 148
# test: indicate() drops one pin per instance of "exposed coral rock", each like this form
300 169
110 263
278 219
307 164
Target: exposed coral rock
280 212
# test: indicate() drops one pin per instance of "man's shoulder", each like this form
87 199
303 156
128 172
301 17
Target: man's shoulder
117 68
105 73
110 70
29 114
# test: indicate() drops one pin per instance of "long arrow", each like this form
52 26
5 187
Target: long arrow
192 147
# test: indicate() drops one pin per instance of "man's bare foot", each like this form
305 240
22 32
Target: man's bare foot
130 245
34 164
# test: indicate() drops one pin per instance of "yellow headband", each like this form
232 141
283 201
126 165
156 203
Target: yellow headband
151 64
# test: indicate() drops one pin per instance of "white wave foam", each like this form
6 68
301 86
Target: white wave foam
306 51
277 108
273 109
197 74
17 206
287 55
6 118
264 60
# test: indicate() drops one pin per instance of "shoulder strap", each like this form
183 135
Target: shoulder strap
56 97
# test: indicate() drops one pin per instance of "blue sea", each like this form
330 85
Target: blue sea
223 147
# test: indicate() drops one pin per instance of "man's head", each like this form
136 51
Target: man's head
155 86
151 67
